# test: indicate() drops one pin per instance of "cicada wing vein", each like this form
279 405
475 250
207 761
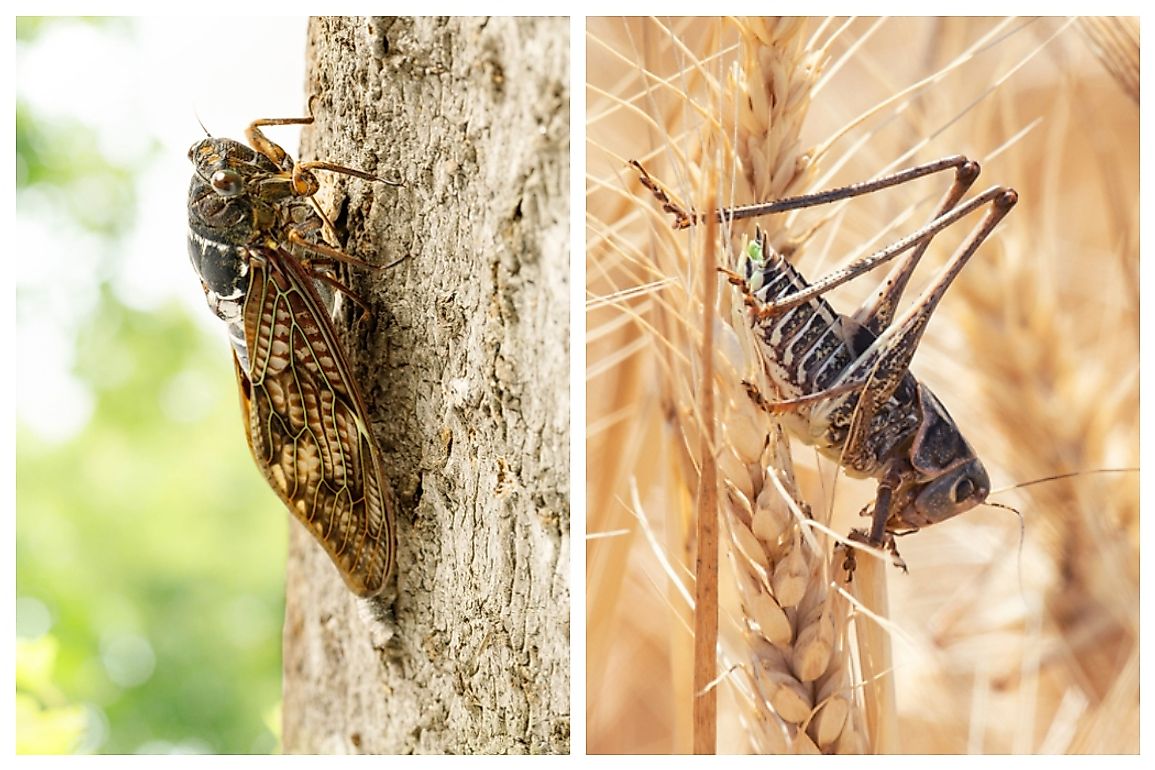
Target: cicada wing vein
306 423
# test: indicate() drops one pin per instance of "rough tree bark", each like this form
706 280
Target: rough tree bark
464 365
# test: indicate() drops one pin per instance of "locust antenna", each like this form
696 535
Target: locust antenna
1061 476
1024 484
1022 539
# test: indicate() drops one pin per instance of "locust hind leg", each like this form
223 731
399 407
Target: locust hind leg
684 218
877 313
867 263
879 310
885 363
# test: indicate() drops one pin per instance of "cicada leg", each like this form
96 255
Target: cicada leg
301 172
305 184
303 180
322 270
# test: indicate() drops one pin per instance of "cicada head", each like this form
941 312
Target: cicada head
222 194
224 219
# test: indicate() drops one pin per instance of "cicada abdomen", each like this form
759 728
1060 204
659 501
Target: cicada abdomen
304 416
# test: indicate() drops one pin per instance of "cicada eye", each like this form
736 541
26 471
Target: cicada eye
227 183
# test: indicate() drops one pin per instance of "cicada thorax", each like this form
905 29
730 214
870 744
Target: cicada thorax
305 418
238 199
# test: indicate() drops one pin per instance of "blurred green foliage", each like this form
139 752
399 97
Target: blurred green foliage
59 155
150 552
28 28
48 723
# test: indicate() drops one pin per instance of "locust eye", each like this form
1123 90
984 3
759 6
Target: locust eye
963 489
227 183
952 493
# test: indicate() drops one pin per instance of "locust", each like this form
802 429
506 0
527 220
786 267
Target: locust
256 241
844 382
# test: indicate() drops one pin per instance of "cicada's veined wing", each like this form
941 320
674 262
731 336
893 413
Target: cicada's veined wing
306 422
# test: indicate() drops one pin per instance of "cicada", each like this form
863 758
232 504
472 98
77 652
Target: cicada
253 225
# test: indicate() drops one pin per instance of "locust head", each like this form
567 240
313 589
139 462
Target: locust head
948 479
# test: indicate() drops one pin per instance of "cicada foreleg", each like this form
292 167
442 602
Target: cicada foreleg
301 177
304 184
301 172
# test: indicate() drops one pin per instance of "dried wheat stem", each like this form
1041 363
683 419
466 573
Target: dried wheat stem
706 572
875 656
796 659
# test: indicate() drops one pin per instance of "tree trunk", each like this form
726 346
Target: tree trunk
463 362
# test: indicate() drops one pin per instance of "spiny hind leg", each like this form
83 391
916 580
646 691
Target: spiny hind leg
884 365
878 311
682 217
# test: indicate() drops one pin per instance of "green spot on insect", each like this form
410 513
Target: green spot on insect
754 252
